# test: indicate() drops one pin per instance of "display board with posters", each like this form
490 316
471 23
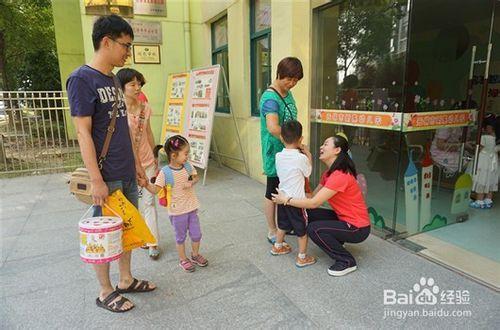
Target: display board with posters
190 110
174 115
200 115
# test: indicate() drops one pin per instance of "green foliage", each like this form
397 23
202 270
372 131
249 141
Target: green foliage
28 58
365 31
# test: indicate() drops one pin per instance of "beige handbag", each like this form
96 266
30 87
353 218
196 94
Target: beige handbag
79 185
79 181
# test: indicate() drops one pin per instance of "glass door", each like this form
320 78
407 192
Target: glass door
444 91
359 50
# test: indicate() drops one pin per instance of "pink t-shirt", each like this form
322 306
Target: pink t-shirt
145 152
184 200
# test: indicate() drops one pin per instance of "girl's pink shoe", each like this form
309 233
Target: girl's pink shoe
187 266
199 260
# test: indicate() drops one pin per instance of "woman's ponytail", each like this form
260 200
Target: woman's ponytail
343 162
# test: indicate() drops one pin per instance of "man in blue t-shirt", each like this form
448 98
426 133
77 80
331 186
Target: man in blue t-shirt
91 95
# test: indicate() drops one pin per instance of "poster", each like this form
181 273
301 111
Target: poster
198 115
198 147
178 86
150 7
202 86
190 109
174 114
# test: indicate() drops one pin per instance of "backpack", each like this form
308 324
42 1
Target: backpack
165 194
363 185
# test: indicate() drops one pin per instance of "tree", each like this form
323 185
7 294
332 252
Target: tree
365 31
28 58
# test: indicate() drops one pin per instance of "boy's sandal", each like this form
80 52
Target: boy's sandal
272 240
136 286
113 306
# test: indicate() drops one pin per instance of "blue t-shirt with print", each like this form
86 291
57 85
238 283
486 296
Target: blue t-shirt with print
92 93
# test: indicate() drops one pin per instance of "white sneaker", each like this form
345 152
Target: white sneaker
340 270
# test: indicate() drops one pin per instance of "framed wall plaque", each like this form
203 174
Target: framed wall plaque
147 54
146 32
150 7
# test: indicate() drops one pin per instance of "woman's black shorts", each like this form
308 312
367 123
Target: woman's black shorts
271 186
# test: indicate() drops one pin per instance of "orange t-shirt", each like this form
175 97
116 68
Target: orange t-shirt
145 152
348 202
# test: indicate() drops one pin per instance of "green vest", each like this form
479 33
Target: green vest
270 144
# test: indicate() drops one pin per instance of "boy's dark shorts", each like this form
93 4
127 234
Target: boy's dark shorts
271 186
290 217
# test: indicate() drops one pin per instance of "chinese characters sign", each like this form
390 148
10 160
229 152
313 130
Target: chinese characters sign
371 119
147 54
397 121
419 121
150 7
104 7
146 32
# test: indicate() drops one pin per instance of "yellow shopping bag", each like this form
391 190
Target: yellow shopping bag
135 231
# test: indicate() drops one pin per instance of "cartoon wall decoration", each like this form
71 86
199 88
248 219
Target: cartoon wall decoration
411 196
437 222
376 219
461 194
426 190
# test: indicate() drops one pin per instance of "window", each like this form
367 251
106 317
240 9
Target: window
220 56
260 36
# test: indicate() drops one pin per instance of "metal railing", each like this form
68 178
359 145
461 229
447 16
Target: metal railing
34 133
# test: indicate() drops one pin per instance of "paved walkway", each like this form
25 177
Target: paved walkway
45 285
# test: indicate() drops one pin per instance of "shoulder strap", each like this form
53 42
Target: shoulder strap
189 168
140 127
112 123
283 100
169 175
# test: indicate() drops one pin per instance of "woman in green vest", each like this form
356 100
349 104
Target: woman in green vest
276 106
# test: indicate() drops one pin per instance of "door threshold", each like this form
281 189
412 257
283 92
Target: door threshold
478 268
